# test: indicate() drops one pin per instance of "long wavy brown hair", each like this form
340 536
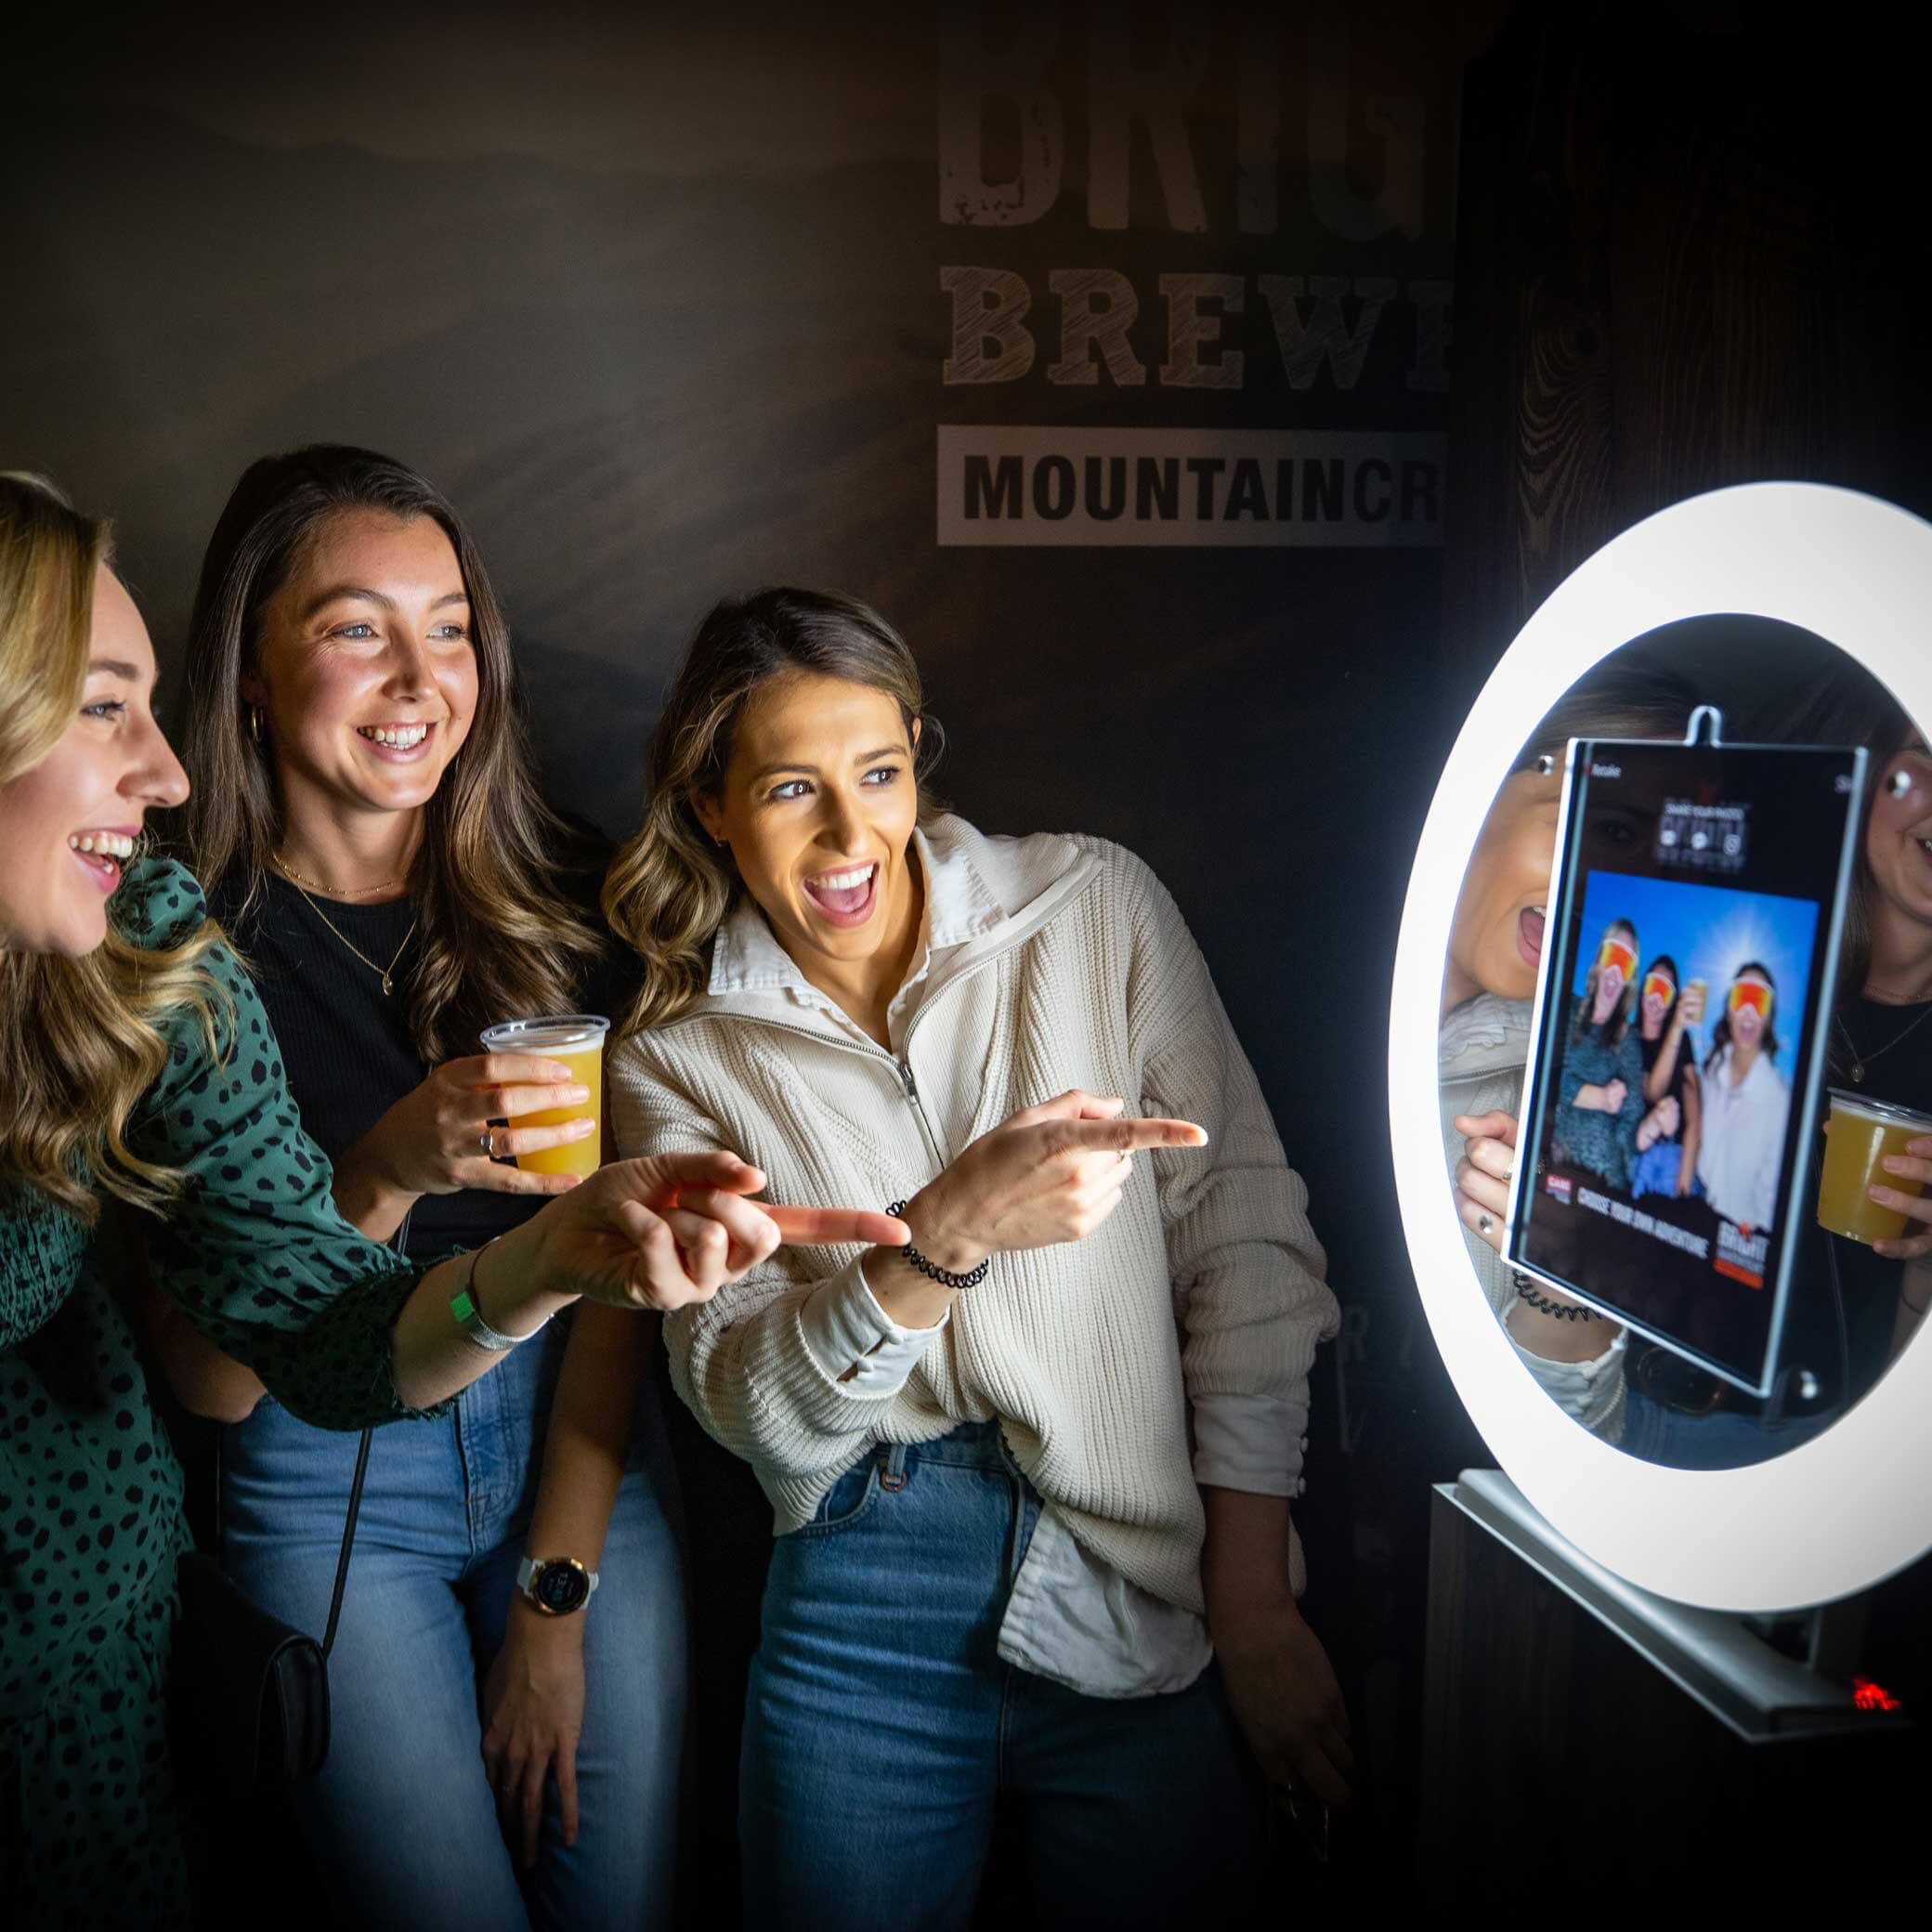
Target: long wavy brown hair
669 888
80 1039
499 940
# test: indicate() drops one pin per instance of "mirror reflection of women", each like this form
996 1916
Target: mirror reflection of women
126 1087
1496 951
1882 1035
990 1583
1874 1044
1746 1103
1668 1136
1882 1024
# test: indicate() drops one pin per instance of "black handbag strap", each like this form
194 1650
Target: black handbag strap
348 1541
396 1241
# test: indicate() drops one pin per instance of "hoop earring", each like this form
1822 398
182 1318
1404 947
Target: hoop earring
255 723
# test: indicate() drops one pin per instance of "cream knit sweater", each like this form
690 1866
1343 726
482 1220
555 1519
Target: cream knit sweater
1075 969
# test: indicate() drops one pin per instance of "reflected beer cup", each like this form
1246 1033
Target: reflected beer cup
575 1041
1864 1132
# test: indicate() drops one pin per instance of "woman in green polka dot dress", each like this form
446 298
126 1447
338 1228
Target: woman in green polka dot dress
138 1072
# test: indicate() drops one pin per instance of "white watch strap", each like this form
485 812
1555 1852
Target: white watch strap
526 1576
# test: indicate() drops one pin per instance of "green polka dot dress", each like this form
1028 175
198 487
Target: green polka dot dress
90 1495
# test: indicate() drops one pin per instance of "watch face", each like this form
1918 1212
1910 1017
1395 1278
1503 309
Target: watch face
560 1587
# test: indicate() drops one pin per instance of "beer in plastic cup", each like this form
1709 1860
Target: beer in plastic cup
1864 1132
575 1041
1702 988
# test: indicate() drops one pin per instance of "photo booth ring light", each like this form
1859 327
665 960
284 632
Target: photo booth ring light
1851 1505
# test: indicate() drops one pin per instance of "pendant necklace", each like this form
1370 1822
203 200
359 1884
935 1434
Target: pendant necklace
382 973
1861 1062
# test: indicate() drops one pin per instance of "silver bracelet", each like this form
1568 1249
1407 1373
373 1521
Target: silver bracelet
469 1317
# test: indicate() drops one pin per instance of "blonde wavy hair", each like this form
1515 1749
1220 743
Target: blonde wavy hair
498 939
669 888
80 1039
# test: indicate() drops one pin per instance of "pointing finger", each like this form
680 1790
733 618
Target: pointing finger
831 1227
1125 1136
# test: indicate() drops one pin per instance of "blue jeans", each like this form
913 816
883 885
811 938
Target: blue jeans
401 1820
881 1729
1723 1440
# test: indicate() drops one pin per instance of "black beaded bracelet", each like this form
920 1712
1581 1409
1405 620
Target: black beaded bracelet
932 1270
1544 1305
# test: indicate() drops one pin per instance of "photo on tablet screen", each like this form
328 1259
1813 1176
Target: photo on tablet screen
1676 1067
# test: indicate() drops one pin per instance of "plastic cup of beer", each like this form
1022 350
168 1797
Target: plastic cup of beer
1864 1132
575 1041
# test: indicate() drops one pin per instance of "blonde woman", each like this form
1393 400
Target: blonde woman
1024 1465
137 1072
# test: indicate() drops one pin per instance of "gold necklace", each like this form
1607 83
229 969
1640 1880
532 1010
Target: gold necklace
1860 1061
382 973
353 892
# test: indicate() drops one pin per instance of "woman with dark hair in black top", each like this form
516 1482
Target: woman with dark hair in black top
1667 1139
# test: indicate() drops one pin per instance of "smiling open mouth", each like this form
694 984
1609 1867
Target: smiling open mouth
844 897
396 740
1528 935
102 853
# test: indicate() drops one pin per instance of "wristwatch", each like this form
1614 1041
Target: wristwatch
557 1585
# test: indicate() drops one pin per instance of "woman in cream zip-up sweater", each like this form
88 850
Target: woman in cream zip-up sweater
992 1458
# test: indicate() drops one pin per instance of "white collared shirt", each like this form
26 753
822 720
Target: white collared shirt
1743 1143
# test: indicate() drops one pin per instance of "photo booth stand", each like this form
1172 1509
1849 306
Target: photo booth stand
1591 1741
1586 1741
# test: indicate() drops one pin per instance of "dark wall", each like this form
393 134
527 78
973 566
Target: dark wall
675 304
671 307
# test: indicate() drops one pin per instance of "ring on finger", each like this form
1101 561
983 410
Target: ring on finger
487 1140
1484 1223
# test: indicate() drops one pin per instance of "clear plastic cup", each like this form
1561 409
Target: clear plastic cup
576 1041
1864 1132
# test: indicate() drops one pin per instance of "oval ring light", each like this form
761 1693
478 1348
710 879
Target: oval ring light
1851 1505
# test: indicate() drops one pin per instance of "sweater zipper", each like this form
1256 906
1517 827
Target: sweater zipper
934 1152
902 1068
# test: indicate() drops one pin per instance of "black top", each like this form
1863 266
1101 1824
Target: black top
347 1044
1681 1075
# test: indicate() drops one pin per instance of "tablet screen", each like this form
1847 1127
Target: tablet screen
1674 1077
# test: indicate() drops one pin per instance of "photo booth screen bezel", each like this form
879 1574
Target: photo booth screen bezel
1813 868
1856 572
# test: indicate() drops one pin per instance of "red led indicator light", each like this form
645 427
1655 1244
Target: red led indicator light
1869 1696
